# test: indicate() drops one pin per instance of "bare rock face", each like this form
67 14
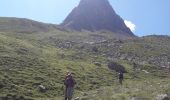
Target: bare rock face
96 15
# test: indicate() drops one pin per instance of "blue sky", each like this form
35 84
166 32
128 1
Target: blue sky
143 16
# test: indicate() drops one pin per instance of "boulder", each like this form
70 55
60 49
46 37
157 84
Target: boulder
97 64
117 67
42 88
95 49
77 98
163 97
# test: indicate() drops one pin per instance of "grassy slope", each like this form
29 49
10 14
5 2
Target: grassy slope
137 85
151 46
28 59
24 63
22 25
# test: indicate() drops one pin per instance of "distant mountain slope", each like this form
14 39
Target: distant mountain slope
96 15
9 24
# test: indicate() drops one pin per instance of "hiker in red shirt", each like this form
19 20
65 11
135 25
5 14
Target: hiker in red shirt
69 83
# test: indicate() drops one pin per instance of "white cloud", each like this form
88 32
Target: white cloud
130 25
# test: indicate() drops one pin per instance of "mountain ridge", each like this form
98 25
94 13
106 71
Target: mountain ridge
96 15
24 25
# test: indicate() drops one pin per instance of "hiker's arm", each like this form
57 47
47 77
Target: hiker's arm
65 83
75 82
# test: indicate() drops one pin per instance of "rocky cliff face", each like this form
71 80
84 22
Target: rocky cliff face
96 15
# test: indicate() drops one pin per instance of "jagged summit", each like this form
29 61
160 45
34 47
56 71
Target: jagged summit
96 15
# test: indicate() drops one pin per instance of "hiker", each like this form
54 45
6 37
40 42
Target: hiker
134 70
134 66
65 95
69 82
120 77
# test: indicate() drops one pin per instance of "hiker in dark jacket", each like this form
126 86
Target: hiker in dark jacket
121 77
65 91
69 83
134 66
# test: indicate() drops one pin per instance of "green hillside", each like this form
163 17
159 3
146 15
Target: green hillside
43 58
23 25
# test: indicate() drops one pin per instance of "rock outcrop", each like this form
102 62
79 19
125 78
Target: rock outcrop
96 15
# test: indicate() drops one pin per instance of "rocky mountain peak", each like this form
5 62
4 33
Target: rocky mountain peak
96 15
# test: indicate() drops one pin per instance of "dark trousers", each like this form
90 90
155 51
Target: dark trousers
65 94
120 80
